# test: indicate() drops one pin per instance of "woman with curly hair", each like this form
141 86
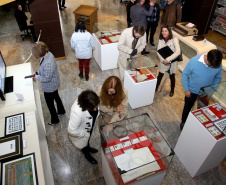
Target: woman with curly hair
113 99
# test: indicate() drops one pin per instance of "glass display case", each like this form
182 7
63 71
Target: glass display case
141 68
211 105
134 150
108 32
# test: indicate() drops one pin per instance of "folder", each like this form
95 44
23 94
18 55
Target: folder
165 52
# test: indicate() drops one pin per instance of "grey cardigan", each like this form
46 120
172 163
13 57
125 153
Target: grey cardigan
138 15
48 74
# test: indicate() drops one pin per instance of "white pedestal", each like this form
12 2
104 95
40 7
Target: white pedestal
139 94
224 64
110 180
197 149
31 106
106 55
200 47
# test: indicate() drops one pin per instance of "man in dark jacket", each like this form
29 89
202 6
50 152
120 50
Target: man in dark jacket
152 21
172 15
21 17
128 7
138 15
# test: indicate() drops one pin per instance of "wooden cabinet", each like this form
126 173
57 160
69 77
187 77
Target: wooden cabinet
87 12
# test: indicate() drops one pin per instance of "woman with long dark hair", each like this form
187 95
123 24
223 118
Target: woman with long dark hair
82 43
168 64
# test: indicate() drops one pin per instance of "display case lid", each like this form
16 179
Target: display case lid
114 27
141 68
136 144
140 61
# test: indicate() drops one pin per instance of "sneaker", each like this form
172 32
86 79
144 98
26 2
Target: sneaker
64 7
87 78
53 124
152 44
90 159
80 75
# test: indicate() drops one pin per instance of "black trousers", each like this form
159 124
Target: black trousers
61 4
189 102
151 27
172 81
50 97
129 24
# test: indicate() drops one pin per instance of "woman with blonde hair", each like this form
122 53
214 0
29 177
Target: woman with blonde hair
113 99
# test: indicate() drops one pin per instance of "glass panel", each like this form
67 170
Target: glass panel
135 149
211 105
108 32
141 68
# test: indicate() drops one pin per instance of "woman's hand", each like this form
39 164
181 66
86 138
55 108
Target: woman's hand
120 108
165 62
34 75
108 128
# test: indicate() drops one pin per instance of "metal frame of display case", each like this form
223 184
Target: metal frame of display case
201 145
124 141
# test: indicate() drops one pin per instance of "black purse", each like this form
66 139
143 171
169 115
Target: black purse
179 58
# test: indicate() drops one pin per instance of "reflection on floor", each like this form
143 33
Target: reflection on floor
68 164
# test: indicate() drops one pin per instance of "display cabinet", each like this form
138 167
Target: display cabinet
208 120
134 152
219 19
140 81
89 13
106 36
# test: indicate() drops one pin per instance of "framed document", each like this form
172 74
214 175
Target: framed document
11 147
14 124
21 170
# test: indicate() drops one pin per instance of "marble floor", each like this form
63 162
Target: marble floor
68 164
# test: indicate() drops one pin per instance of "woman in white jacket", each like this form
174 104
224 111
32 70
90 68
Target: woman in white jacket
82 43
168 64
84 113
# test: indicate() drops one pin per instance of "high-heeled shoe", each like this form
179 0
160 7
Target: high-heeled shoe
171 93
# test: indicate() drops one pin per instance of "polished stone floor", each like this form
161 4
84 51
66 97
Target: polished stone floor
68 164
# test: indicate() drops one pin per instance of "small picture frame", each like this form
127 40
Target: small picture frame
11 147
14 124
22 169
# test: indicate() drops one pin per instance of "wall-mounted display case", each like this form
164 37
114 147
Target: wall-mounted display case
134 152
106 36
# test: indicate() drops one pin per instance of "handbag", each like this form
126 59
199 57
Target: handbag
179 58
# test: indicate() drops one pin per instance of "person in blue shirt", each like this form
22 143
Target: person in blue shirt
201 70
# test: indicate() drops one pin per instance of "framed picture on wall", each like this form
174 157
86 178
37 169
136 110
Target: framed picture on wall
14 124
20 171
11 147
